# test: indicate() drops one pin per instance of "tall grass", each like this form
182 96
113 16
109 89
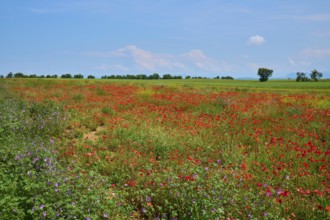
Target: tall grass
206 150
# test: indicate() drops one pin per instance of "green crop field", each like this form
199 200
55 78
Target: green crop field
164 149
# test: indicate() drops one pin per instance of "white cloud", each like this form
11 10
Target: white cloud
201 61
193 60
309 56
318 53
195 54
298 63
256 40
147 60
291 61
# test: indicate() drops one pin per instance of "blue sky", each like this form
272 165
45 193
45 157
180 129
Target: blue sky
197 38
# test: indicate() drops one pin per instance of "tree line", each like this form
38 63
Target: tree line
64 76
154 76
263 73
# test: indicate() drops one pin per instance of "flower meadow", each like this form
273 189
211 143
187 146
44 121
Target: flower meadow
91 149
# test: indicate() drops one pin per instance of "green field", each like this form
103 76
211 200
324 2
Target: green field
164 149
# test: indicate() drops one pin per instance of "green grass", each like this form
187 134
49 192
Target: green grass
192 149
254 85
322 86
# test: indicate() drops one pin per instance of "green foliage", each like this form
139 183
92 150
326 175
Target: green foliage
66 76
154 76
264 74
301 77
33 184
78 97
167 76
78 76
10 75
316 75
187 152
107 110
227 77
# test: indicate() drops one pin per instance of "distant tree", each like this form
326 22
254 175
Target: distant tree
301 77
1 76
177 77
19 75
264 74
90 77
154 76
227 77
10 75
78 76
66 76
129 76
33 76
141 76
316 75
167 76
188 77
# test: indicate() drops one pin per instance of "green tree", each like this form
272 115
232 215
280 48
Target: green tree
10 75
154 76
78 76
301 77
316 75
227 77
90 77
264 74
68 76
19 75
167 76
